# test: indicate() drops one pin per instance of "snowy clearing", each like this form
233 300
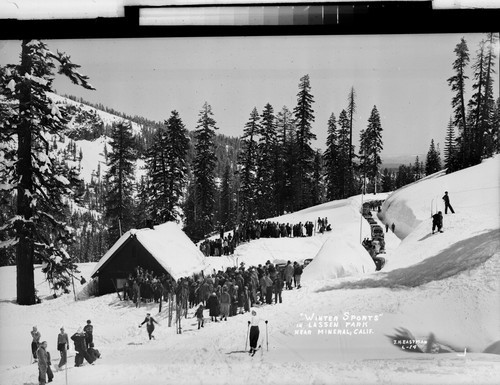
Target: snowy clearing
338 328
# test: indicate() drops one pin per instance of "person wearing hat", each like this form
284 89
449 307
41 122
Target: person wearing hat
254 331
149 321
44 364
62 346
89 333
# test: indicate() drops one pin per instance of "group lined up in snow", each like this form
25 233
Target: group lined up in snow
226 244
84 347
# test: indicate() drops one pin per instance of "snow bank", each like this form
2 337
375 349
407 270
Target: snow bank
338 258
473 193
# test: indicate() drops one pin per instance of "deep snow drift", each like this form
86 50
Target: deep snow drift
442 288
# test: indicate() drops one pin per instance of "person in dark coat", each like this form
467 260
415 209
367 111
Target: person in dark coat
213 306
199 315
150 325
89 333
437 222
43 357
80 348
447 204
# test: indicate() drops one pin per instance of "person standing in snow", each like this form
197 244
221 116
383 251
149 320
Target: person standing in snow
225 303
44 364
89 331
149 321
213 306
199 315
62 346
437 222
297 271
447 204
254 331
289 275
35 343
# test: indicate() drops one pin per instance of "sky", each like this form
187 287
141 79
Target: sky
404 76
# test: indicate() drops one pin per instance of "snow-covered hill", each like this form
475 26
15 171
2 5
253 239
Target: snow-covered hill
93 158
442 288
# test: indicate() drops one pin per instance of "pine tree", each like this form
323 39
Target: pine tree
204 171
267 163
120 181
433 161
417 169
457 83
331 158
29 169
387 181
370 146
317 191
482 102
345 172
248 167
227 210
286 166
450 153
304 116
351 109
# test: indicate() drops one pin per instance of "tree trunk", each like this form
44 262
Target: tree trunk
24 229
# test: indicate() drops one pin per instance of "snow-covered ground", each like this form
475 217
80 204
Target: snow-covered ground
442 287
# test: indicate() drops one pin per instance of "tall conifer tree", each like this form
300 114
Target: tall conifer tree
204 171
120 181
29 168
304 116
248 167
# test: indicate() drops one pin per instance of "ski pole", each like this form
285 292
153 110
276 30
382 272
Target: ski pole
66 355
248 331
267 338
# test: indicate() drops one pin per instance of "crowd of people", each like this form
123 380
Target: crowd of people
226 244
84 347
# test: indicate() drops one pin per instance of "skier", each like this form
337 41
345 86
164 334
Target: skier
149 321
62 346
447 204
44 369
437 222
89 330
199 315
35 343
254 332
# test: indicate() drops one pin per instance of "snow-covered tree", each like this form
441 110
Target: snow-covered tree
31 171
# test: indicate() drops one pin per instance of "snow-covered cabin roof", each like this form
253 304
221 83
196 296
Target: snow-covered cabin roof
168 244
